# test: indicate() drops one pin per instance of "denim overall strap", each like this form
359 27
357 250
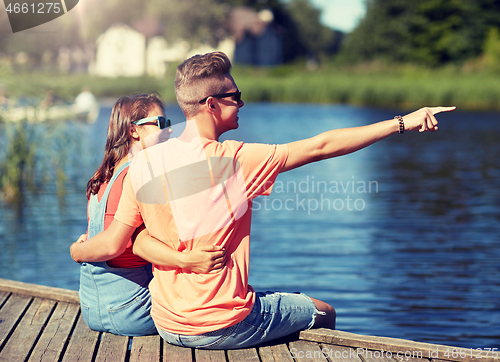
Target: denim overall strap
97 209
114 300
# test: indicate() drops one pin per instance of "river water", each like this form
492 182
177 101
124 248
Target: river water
402 238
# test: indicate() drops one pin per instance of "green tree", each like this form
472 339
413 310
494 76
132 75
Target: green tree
257 4
95 16
41 41
382 34
429 32
492 50
314 37
197 21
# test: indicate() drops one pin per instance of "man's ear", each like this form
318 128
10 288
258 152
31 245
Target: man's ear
211 105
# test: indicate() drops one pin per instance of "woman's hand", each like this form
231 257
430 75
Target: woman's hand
82 238
423 119
106 245
204 259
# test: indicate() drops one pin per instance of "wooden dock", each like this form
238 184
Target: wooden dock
39 323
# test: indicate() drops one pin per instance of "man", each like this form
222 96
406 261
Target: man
194 190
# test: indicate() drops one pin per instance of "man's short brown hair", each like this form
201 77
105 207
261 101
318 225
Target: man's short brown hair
198 77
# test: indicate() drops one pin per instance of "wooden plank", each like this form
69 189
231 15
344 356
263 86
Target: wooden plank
41 291
145 349
206 355
10 315
275 353
409 358
368 355
56 334
340 353
112 348
480 354
393 345
82 343
304 351
173 353
3 297
22 341
247 355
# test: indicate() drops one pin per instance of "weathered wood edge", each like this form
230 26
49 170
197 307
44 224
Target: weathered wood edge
395 345
41 291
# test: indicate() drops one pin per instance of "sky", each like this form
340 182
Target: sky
341 14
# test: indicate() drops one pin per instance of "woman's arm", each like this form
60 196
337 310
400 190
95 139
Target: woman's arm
104 246
200 260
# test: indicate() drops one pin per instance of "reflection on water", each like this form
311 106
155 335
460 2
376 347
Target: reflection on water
401 238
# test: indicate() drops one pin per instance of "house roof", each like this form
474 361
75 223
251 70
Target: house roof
149 25
243 20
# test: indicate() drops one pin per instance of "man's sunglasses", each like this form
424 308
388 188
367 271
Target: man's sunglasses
162 121
236 95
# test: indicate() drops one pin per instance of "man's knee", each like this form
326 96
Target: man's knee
326 315
330 313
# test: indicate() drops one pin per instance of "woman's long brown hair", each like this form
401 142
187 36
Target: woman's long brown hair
125 111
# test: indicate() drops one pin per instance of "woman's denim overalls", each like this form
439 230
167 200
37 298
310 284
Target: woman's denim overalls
114 300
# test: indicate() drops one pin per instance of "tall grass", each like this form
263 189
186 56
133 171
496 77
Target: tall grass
395 89
66 87
389 86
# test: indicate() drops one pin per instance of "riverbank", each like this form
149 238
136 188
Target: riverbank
398 87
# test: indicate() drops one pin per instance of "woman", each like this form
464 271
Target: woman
114 295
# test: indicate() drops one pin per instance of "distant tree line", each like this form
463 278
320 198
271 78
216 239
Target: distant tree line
425 32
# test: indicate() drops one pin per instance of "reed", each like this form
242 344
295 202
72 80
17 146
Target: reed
18 164
34 155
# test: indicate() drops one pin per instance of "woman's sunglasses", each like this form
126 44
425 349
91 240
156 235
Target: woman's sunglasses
236 95
162 121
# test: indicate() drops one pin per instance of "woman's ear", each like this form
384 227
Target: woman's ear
134 133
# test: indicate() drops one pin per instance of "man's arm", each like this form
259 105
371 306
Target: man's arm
104 246
347 140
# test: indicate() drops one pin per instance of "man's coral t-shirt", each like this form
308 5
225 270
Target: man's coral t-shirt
195 193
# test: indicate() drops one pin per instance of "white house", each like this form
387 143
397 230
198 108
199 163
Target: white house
159 53
121 52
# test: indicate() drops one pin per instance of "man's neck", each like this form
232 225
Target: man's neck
201 126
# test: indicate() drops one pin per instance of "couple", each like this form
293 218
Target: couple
193 195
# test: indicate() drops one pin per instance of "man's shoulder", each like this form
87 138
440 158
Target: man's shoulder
225 147
155 149
225 143
237 146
